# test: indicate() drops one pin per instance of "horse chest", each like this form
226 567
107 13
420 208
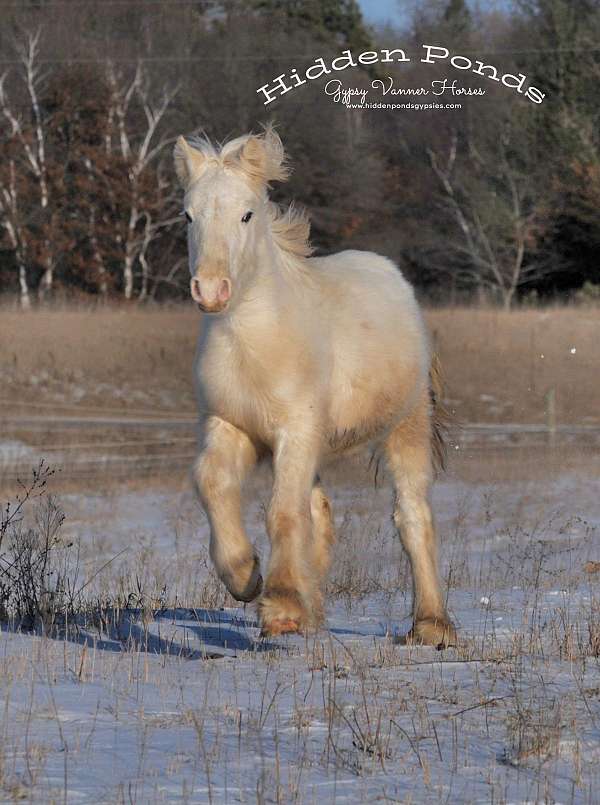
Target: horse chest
232 387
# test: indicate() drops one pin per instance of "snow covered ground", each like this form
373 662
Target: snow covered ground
178 699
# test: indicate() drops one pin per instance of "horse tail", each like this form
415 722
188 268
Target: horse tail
440 417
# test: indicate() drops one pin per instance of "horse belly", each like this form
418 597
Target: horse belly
356 420
371 392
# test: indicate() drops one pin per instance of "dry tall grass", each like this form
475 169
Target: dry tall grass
498 365
515 358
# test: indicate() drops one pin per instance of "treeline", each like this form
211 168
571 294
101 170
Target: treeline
498 198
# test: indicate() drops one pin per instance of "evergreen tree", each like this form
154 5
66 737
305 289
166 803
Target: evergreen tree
457 16
337 21
563 61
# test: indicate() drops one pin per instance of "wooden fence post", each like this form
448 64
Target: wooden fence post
550 399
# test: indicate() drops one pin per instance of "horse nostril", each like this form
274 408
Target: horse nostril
224 292
195 289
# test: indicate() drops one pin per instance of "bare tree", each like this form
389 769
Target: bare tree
497 212
12 223
27 127
139 144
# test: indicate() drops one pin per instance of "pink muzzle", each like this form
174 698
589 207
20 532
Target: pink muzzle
212 295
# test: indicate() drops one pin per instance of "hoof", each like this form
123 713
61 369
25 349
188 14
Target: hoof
250 594
282 612
251 589
432 632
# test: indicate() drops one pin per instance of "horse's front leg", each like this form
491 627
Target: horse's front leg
219 472
290 601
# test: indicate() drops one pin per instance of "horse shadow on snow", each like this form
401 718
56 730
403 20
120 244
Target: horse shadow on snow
192 634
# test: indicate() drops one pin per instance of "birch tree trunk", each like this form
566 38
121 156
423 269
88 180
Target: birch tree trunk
24 298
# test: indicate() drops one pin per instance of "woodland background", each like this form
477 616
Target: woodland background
496 201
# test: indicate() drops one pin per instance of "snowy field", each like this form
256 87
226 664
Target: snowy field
168 693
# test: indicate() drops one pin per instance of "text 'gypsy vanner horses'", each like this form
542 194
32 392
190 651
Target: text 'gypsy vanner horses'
300 359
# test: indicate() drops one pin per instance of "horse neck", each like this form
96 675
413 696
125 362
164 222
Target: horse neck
277 278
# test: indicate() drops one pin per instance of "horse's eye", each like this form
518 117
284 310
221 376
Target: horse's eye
188 217
247 217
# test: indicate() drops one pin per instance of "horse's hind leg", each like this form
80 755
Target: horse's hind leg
408 451
323 537
219 472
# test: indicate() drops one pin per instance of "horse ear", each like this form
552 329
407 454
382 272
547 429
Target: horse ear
263 159
188 161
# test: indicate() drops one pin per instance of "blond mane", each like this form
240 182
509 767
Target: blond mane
259 156
290 229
